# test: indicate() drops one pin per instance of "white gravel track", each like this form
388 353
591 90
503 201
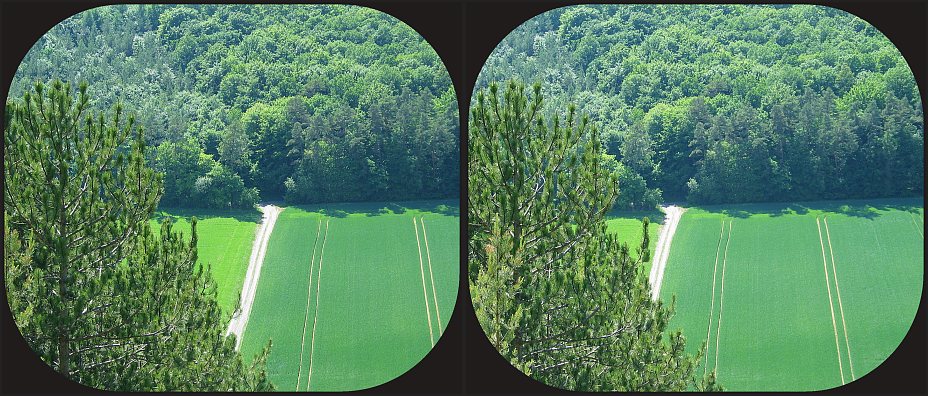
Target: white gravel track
250 286
672 216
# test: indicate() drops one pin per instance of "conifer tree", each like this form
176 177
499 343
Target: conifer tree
95 293
556 294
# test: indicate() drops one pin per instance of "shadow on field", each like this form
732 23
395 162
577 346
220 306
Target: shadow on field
175 214
334 212
444 207
654 216
868 209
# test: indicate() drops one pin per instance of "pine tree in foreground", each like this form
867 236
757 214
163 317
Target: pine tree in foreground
556 294
95 293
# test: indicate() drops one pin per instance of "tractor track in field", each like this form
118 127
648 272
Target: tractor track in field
831 305
718 330
312 342
431 275
917 227
662 251
834 273
425 293
715 271
250 285
309 292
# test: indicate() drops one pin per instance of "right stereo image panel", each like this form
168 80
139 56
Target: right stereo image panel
696 197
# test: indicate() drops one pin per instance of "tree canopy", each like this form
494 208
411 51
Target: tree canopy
731 103
314 103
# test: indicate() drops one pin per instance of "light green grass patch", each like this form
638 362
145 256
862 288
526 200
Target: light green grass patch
224 241
626 225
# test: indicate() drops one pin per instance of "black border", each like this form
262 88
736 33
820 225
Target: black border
464 33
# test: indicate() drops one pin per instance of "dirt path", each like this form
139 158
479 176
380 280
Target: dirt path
258 249
662 251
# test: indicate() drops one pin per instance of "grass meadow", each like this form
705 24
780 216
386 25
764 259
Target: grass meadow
627 226
343 295
750 281
224 240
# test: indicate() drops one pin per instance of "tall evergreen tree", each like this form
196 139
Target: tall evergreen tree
96 295
556 294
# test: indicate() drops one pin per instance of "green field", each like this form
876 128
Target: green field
224 240
627 226
771 326
345 298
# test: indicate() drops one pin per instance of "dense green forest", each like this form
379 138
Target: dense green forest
244 102
729 103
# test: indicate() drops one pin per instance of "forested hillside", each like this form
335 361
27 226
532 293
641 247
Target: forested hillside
244 102
730 103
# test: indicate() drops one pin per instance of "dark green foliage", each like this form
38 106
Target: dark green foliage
185 162
235 148
555 293
195 179
732 103
634 193
222 188
643 250
96 295
405 144
263 89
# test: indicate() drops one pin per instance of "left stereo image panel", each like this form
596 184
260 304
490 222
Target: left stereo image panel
231 198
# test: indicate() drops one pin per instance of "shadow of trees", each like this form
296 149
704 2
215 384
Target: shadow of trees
655 216
175 214
443 207
864 208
